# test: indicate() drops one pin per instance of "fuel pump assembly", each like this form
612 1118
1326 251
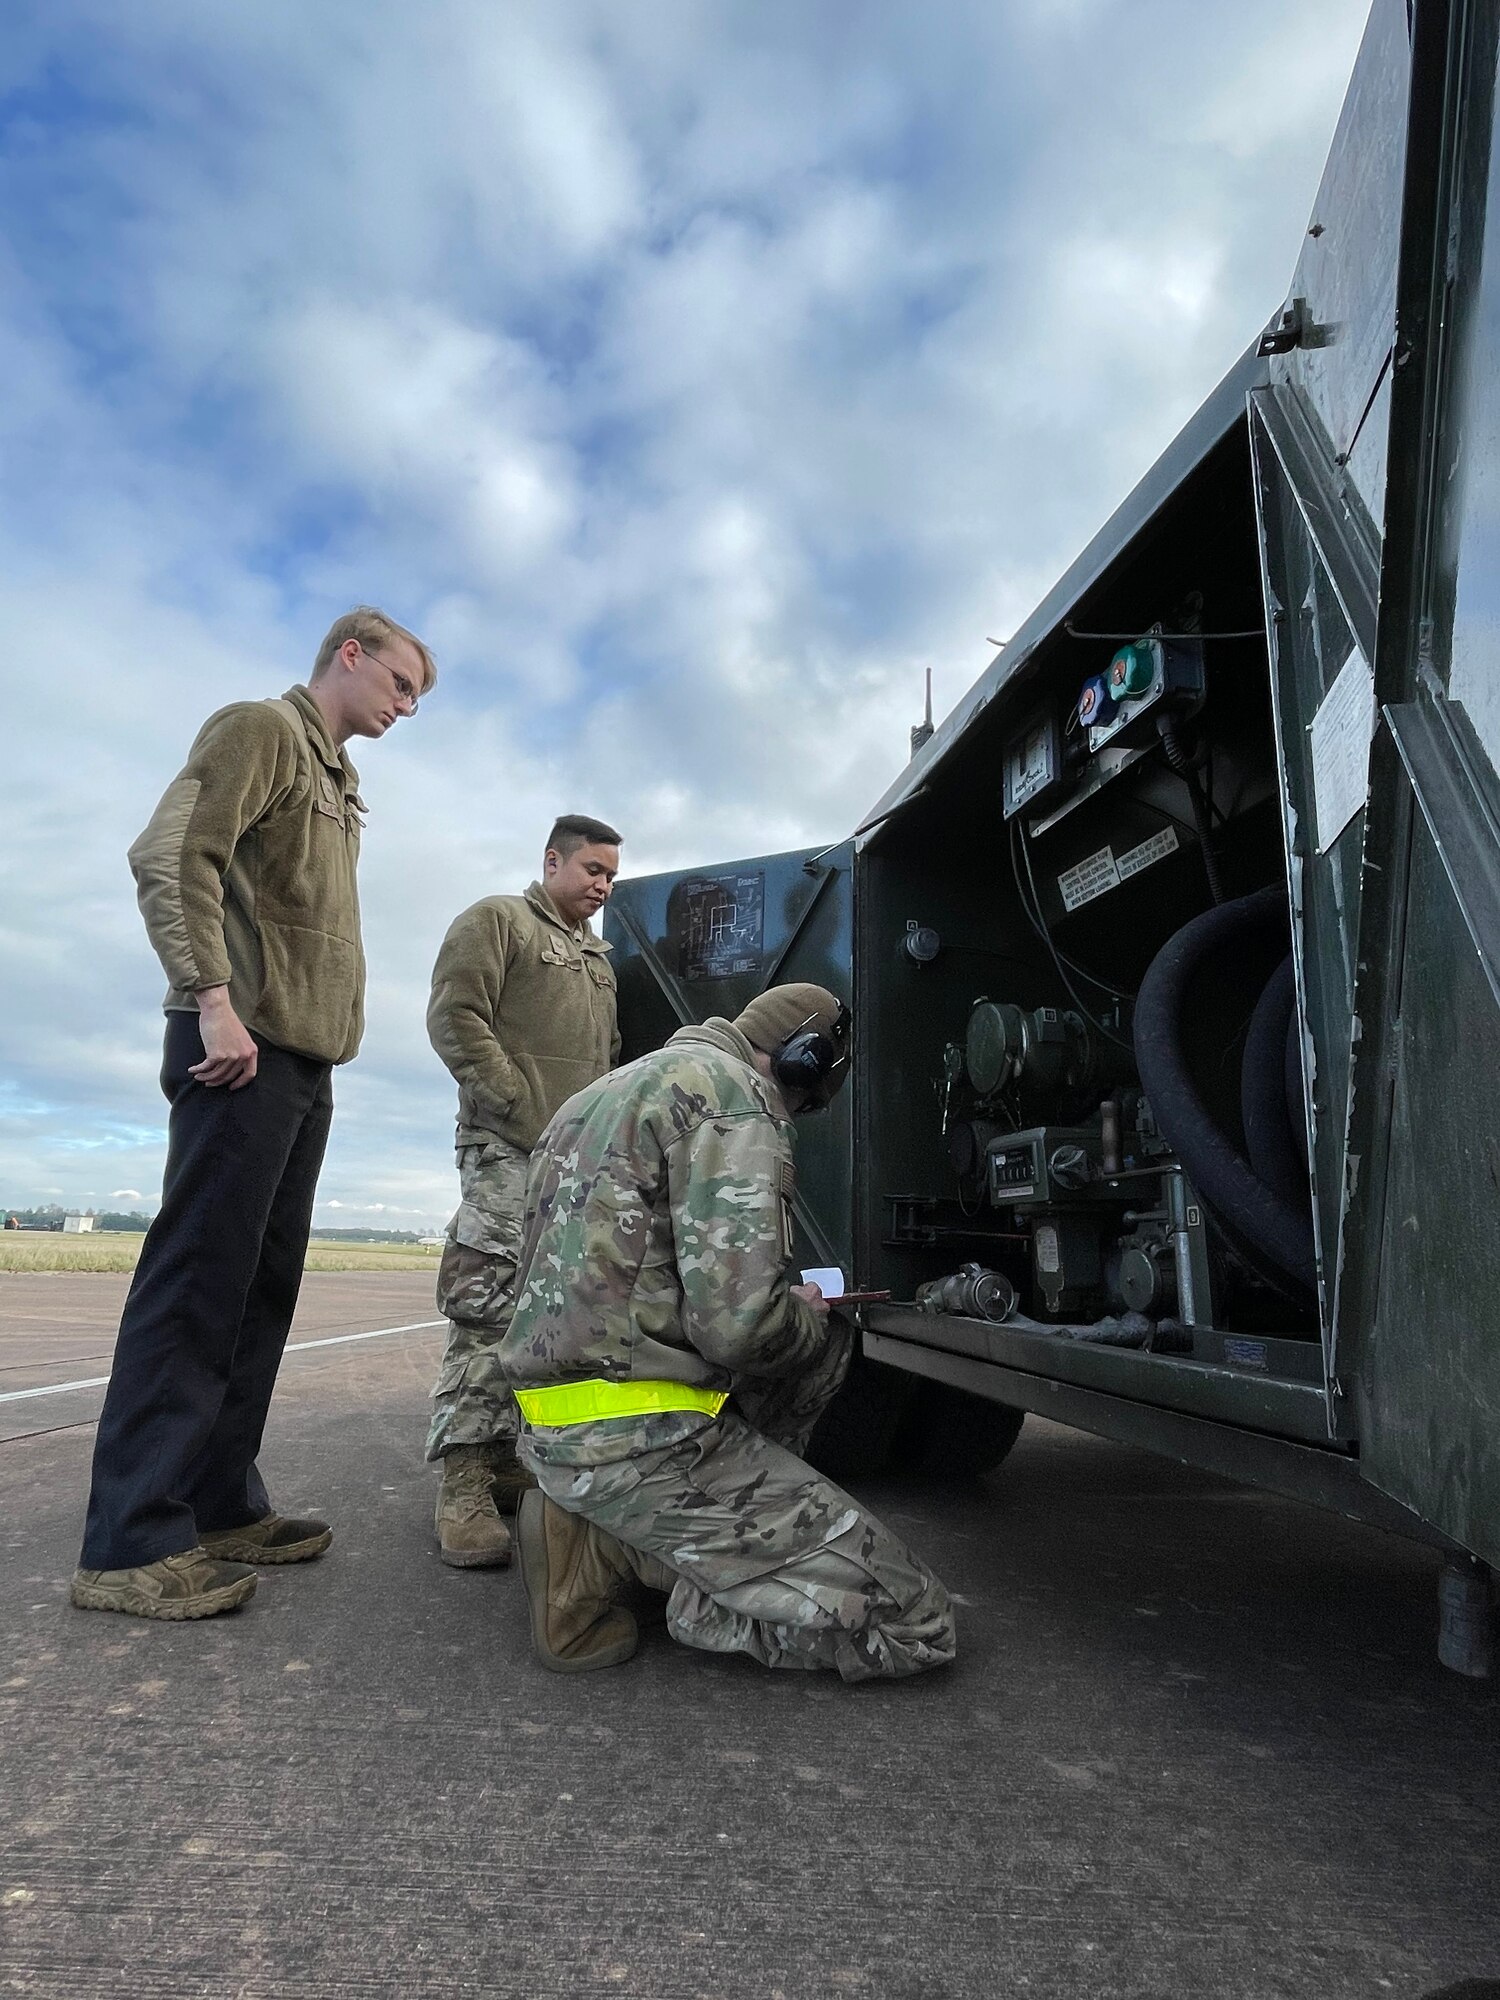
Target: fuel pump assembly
1083 1191
1056 1155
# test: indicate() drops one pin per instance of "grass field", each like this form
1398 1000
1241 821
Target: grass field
36 1250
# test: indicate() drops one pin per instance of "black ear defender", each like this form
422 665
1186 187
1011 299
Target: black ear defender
811 1061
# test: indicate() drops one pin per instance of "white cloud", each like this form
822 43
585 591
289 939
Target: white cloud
678 371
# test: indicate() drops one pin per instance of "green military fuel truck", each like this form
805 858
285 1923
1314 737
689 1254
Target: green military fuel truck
1174 953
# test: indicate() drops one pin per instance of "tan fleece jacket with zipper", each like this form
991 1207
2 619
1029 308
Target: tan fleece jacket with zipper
246 876
523 1014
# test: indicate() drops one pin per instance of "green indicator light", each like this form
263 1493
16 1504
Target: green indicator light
1132 670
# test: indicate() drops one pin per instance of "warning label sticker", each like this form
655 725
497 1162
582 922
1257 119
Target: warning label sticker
1089 878
1157 848
1098 873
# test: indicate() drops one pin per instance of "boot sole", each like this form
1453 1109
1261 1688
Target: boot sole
531 1549
227 1549
229 1597
474 1558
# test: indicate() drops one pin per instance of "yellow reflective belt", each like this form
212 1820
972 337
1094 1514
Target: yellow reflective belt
584 1402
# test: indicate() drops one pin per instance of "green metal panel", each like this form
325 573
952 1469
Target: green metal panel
1430 1392
704 941
1425 1125
1259 1402
1321 1475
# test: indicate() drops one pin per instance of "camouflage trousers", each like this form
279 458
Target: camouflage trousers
759 1553
471 1402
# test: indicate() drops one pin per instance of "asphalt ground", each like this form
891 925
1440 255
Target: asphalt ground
1196 1743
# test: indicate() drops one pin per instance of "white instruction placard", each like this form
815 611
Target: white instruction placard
1088 878
1340 733
1157 848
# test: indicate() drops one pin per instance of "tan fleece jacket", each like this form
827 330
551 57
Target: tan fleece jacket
246 876
523 1014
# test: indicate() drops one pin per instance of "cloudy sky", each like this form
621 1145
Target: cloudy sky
678 369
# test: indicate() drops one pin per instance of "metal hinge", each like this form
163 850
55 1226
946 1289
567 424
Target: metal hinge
1285 331
1293 327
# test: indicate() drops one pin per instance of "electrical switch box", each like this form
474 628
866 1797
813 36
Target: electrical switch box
1141 676
1035 767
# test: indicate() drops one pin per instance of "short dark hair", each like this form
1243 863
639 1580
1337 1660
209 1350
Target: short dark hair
575 830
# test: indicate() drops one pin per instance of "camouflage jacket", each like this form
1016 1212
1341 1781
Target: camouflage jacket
522 1012
658 1240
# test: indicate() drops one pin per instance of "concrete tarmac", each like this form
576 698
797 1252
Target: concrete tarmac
1197 1743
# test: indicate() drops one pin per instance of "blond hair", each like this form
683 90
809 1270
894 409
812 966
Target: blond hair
372 629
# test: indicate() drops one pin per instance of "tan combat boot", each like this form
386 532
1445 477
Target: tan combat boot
573 1573
509 1478
274 1538
470 1531
189 1585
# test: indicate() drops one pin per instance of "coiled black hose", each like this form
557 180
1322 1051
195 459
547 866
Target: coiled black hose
1273 1233
1270 1136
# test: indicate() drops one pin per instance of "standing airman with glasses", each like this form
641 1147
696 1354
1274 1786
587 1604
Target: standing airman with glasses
246 879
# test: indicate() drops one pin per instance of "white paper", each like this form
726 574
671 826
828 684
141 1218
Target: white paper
1340 733
829 1281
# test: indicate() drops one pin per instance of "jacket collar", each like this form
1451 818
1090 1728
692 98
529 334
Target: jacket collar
544 906
317 733
725 1036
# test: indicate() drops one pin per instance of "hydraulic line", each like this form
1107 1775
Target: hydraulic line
1176 753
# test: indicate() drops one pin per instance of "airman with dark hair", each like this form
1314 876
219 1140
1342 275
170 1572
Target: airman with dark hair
523 1015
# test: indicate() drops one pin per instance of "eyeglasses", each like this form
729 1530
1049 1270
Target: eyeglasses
405 692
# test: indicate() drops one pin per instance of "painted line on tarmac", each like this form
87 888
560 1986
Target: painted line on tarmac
293 1347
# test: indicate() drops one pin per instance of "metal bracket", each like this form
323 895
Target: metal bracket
1293 327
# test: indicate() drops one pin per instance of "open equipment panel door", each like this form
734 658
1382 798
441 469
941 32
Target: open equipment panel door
1319 430
1417 1312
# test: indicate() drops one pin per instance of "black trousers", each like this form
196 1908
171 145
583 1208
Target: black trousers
207 1317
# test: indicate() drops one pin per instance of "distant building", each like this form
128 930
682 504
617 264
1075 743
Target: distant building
75 1225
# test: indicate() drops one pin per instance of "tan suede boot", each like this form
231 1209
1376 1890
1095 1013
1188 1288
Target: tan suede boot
189 1585
573 1573
470 1532
274 1538
509 1478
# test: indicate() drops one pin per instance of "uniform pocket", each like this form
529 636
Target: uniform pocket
495 1231
311 990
